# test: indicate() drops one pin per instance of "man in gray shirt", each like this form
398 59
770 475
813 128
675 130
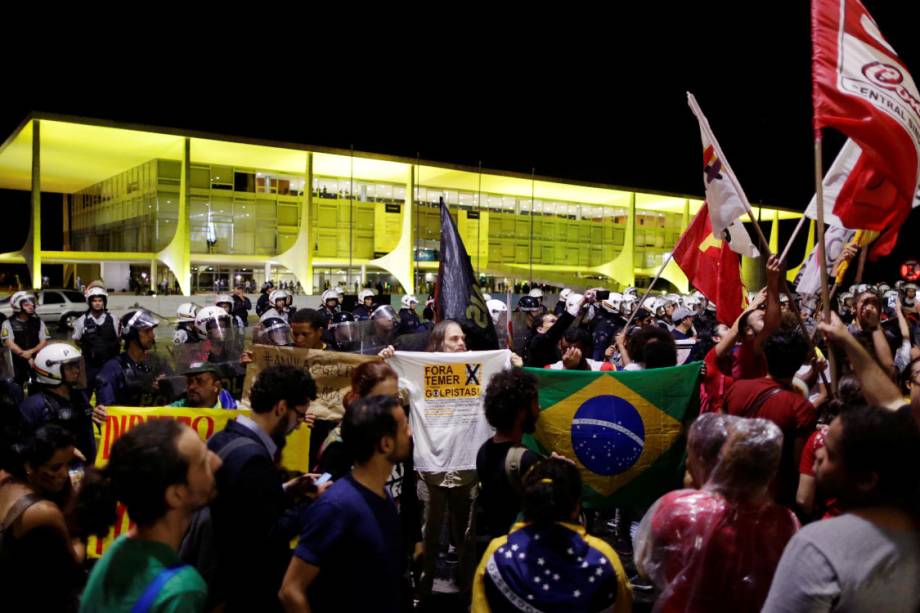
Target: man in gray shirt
869 558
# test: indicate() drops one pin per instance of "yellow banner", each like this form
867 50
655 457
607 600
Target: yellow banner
206 422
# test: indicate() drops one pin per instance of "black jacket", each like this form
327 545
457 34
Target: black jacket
253 521
543 349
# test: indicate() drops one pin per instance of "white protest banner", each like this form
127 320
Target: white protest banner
445 395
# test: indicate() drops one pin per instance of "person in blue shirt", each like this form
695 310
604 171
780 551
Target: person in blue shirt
128 379
351 534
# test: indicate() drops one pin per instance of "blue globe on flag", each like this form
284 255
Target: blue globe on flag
607 435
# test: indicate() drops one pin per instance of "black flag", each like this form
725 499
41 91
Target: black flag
457 295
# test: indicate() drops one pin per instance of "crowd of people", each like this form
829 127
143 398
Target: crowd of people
801 490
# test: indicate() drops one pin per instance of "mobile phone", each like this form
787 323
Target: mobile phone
322 479
602 294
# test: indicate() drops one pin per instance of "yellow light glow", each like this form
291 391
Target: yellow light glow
75 156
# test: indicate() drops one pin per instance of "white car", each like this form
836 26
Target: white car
57 307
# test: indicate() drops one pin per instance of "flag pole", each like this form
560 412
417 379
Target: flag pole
821 253
648 291
704 124
765 245
795 233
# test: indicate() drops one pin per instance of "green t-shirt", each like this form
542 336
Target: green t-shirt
122 575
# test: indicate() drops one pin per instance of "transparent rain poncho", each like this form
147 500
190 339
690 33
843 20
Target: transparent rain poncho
716 548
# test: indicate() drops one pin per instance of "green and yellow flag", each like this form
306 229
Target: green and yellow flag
624 430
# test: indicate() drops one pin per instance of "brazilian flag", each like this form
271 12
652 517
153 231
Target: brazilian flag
624 430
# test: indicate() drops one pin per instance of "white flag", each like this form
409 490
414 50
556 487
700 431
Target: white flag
445 398
809 278
834 180
726 201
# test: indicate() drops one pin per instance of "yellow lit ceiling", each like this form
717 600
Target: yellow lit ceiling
75 156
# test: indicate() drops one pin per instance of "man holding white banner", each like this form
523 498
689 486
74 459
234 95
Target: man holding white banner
446 387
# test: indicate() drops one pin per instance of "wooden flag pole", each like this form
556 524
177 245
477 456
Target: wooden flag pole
795 233
821 254
648 291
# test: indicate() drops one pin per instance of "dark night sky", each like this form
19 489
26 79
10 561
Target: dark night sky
590 97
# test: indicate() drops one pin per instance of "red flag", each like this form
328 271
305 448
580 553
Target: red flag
862 89
712 267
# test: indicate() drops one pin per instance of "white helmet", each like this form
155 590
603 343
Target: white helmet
18 298
212 318
224 299
536 293
407 300
187 311
650 304
48 362
496 309
564 294
612 303
94 292
631 291
278 294
330 294
486 297
365 293
340 291
628 304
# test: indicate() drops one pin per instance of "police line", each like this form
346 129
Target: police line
206 422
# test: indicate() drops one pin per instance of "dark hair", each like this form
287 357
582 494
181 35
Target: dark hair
581 338
785 351
551 492
143 463
282 382
308 316
886 443
509 392
366 421
436 338
639 347
365 376
37 448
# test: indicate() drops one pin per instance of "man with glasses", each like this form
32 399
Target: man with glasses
253 517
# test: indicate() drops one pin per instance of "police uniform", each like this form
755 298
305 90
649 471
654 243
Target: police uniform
98 338
74 414
186 333
26 334
408 322
124 382
362 313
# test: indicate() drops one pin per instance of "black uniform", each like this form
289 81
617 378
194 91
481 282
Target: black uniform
362 313
99 344
408 322
73 414
262 304
26 334
124 382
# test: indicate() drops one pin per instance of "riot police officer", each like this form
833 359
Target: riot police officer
365 306
24 334
408 318
97 334
186 333
128 379
58 368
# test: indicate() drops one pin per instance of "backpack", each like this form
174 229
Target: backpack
197 547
